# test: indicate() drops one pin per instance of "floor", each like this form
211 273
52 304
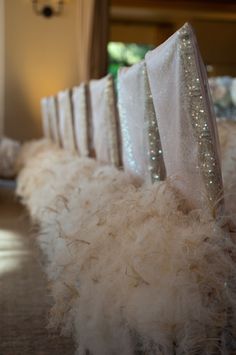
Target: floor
24 298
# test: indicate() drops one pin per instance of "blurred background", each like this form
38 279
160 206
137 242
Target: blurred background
41 55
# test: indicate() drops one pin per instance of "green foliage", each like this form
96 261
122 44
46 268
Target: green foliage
125 54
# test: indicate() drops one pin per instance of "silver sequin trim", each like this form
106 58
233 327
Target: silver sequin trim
127 146
156 167
207 159
112 123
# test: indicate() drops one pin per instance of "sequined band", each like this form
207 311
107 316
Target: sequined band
127 146
156 167
66 120
112 124
83 122
89 122
207 159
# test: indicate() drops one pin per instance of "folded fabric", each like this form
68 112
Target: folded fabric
82 120
105 121
47 133
9 151
186 120
54 120
141 144
66 125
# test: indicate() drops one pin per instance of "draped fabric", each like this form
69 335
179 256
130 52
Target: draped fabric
81 119
45 118
53 119
66 128
92 31
186 121
141 145
105 121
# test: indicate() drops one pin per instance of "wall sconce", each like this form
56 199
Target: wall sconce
48 10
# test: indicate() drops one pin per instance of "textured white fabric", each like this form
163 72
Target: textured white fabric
131 95
179 142
81 119
129 271
126 260
45 118
31 149
9 151
66 128
53 119
227 135
105 120
141 143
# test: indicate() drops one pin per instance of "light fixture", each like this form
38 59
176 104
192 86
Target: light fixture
47 10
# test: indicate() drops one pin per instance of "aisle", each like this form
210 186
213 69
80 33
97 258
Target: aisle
24 303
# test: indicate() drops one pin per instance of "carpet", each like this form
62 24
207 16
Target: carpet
24 299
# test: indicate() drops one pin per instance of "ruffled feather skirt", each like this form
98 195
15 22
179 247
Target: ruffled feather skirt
129 270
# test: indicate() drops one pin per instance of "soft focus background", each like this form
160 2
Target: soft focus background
39 56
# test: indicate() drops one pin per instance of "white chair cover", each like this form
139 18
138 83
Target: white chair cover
185 118
142 152
53 119
45 118
105 121
81 119
66 127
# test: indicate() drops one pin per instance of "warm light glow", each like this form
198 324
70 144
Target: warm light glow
12 251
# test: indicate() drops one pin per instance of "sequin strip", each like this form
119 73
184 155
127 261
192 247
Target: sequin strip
112 124
83 114
53 119
156 167
73 137
127 145
89 122
207 160
45 118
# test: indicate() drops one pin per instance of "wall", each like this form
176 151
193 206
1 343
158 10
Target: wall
41 59
2 69
41 54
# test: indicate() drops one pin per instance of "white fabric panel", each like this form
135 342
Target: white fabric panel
185 117
66 128
54 119
105 120
81 119
45 118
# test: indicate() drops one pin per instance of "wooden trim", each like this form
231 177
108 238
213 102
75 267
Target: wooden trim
164 15
209 5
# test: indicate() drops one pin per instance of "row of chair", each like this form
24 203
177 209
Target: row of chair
85 120
163 125
130 270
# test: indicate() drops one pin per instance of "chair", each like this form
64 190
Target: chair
66 125
105 122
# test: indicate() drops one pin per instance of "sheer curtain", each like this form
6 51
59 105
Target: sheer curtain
2 66
92 34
